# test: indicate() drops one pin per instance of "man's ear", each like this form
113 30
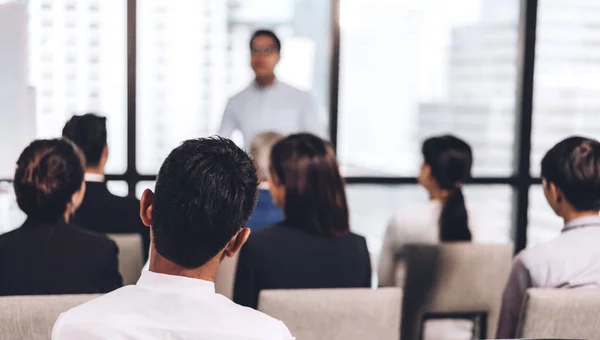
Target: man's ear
236 242
146 204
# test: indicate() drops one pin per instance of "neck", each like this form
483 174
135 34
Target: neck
267 81
96 170
438 195
571 216
161 265
67 216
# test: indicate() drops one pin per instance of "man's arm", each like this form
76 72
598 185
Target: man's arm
512 300
228 123
314 119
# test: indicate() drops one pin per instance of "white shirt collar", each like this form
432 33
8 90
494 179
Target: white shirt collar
173 284
89 177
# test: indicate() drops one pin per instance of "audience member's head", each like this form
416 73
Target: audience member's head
88 132
264 51
205 192
306 182
260 149
48 180
446 167
571 173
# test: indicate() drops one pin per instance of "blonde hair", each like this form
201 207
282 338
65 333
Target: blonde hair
260 150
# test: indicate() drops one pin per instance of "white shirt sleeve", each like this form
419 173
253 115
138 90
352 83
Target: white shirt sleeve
228 123
314 119
512 300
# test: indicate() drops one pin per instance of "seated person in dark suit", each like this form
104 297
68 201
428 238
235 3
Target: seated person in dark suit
266 212
101 211
47 255
313 246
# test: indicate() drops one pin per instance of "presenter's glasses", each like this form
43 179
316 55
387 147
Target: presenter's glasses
263 50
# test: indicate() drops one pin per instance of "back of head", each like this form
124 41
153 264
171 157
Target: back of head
89 133
205 192
450 160
48 173
573 165
315 198
260 149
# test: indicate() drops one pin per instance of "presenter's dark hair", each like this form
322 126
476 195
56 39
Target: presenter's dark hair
450 160
267 33
315 198
573 165
205 192
48 173
88 132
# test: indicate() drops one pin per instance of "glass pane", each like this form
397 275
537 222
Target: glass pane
118 188
371 207
544 224
11 216
412 69
193 55
143 185
57 59
567 73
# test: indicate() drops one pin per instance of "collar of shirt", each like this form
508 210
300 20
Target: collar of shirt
89 177
271 87
172 284
582 222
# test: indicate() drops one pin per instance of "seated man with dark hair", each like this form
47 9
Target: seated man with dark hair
101 211
205 192
571 183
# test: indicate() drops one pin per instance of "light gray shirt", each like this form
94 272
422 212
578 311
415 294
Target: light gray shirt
570 261
279 108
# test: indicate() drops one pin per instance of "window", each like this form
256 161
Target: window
413 69
567 88
55 84
195 95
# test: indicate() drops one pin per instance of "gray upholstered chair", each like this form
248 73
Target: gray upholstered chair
461 280
131 260
32 317
225 278
336 314
561 313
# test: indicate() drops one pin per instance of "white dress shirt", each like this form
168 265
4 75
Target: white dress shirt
279 108
571 260
166 307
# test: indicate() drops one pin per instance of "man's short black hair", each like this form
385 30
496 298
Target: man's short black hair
573 165
267 33
88 132
205 192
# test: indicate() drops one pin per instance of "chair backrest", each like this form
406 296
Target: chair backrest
131 260
225 278
454 278
561 313
32 317
336 314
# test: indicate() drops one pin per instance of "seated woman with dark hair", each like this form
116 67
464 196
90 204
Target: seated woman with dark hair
313 246
447 162
46 255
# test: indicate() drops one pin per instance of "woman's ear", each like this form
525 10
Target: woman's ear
77 198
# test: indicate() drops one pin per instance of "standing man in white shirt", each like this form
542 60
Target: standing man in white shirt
205 192
571 181
268 104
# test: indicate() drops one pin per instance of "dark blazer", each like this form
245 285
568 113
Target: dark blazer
282 256
266 212
106 213
57 258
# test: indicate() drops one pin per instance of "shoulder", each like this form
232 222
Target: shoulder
293 91
90 238
257 324
541 254
240 97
